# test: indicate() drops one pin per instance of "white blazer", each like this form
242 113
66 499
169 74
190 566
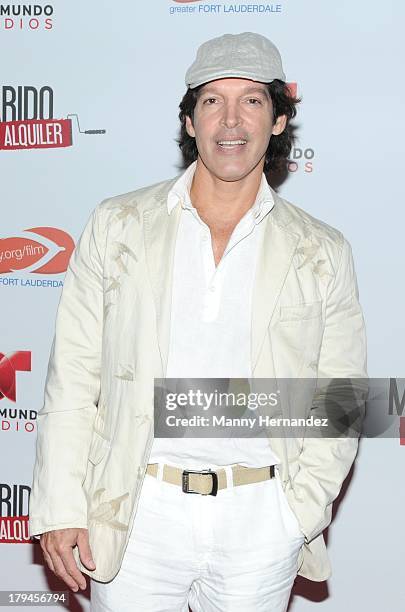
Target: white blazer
95 429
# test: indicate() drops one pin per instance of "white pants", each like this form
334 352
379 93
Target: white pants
237 551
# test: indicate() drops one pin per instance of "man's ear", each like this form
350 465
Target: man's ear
189 127
279 125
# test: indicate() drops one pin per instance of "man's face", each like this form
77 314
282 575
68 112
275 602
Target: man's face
233 123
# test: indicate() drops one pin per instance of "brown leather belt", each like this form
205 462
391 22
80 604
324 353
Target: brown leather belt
209 482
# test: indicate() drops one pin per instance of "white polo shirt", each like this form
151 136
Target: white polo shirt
210 331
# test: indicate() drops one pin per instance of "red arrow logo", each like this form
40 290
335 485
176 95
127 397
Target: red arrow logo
51 254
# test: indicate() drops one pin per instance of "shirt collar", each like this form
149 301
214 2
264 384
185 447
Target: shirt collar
180 193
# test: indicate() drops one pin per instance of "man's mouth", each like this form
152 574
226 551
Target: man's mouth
231 143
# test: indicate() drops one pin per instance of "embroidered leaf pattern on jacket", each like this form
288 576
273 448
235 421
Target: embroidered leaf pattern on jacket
106 511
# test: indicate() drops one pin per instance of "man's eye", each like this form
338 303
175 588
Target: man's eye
209 100
254 100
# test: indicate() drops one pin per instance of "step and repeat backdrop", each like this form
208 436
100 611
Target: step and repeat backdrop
89 95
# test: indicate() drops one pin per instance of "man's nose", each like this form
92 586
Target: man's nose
231 115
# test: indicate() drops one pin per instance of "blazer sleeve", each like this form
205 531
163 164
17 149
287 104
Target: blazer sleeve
324 463
72 389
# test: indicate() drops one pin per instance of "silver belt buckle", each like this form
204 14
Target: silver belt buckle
185 481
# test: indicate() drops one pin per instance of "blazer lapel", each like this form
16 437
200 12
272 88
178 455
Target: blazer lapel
160 240
274 261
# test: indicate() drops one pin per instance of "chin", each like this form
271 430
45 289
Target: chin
233 174
232 177
228 172
232 170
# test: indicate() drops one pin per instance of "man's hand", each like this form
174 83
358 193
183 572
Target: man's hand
57 548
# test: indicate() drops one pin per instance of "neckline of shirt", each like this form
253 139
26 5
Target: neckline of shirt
180 193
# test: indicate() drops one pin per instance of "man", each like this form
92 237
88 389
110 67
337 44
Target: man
210 274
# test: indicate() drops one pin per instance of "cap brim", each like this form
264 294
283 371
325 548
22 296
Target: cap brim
214 76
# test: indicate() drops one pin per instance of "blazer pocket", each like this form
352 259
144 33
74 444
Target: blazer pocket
98 448
299 312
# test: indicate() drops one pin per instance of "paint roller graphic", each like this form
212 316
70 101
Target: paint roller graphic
78 126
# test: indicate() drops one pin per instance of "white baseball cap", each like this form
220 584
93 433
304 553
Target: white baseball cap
246 55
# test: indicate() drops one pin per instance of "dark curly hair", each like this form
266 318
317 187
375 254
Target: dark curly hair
284 103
